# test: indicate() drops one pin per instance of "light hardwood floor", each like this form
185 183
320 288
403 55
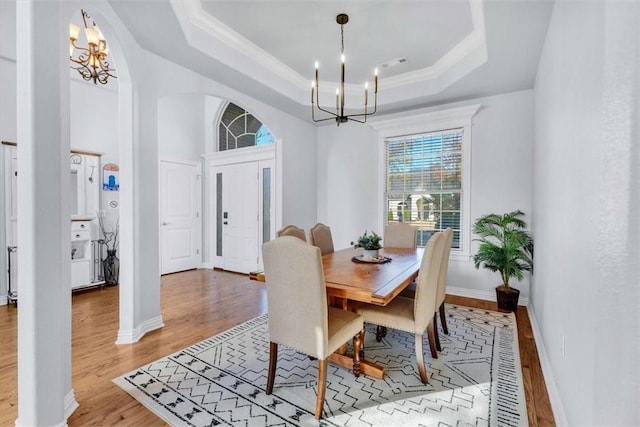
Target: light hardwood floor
195 305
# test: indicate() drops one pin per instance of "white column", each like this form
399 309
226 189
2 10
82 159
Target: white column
44 314
139 224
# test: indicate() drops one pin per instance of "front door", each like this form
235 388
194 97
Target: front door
179 216
240 216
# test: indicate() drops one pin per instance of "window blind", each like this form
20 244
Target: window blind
424 182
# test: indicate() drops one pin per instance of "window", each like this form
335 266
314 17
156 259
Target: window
425 158
424 182
239 128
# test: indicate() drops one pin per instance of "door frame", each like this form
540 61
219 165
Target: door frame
269 152
198 231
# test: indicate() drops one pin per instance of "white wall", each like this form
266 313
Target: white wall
501 168
585 296
180 127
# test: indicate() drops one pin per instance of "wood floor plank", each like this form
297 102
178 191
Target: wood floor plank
196 305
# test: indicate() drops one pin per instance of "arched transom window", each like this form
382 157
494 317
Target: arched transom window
239 128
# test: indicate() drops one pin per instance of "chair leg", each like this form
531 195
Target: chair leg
435 332
432 340
322 379
443 319
420 360
362 343
273 358
381 332
357 342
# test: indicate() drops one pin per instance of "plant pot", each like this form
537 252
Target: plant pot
370 253
507 298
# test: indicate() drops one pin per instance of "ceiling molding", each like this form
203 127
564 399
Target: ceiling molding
214 38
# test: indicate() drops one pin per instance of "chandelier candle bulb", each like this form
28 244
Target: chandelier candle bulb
375 73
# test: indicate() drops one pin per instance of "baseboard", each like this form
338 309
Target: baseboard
547 372
4 300
208 265
483 295
133 335
70 404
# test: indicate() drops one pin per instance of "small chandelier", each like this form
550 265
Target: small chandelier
92 61
339 115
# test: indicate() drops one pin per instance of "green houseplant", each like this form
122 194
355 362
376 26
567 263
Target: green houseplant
505 247
370 243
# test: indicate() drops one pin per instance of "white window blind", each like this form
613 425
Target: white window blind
424 182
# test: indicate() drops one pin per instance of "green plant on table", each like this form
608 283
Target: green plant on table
368 241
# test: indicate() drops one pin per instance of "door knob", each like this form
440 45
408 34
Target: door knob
165 223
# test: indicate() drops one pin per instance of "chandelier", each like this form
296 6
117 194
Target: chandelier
339 115
91 62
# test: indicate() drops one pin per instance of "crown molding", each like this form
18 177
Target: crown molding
214 38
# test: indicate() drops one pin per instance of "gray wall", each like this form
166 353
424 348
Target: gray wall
585 293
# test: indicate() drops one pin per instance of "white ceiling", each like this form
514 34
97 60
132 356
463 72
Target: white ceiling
455 49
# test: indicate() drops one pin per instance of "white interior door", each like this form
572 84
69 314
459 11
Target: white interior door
240 216
179 216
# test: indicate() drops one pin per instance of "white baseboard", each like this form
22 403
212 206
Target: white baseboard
4 300
70 404
484 295
208 265
133 335
547 372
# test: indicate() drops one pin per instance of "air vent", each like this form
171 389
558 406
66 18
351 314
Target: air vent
393 62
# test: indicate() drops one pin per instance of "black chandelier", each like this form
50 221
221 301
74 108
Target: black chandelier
92 61
339 115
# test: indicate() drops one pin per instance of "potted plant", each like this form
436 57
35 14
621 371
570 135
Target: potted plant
505 247
370 243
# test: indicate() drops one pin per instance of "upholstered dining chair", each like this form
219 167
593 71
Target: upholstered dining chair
321 237
292 230
400 235
413 315
299 316
409 291
442 287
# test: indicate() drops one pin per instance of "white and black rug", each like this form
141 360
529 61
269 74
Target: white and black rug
476 380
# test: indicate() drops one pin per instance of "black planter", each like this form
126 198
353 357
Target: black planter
507 298
111 268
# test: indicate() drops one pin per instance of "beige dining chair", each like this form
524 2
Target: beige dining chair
321 237
442 287
292 230
299 316
409 291
413 315
400 235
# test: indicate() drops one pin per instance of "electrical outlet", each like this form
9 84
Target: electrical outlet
563 344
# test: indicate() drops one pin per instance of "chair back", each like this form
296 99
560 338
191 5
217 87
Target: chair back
292 230
444 267
427 282
296 295
321 237
400 235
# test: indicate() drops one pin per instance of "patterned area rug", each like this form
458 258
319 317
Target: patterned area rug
476 380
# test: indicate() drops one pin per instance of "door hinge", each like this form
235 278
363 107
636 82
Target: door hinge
197 251
197 214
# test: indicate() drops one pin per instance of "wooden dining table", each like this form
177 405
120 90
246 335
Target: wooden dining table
350 283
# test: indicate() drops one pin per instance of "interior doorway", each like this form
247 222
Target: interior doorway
180 219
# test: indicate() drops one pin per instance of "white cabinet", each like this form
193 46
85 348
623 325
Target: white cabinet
81 254
85 206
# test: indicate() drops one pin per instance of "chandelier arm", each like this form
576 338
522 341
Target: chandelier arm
327 111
